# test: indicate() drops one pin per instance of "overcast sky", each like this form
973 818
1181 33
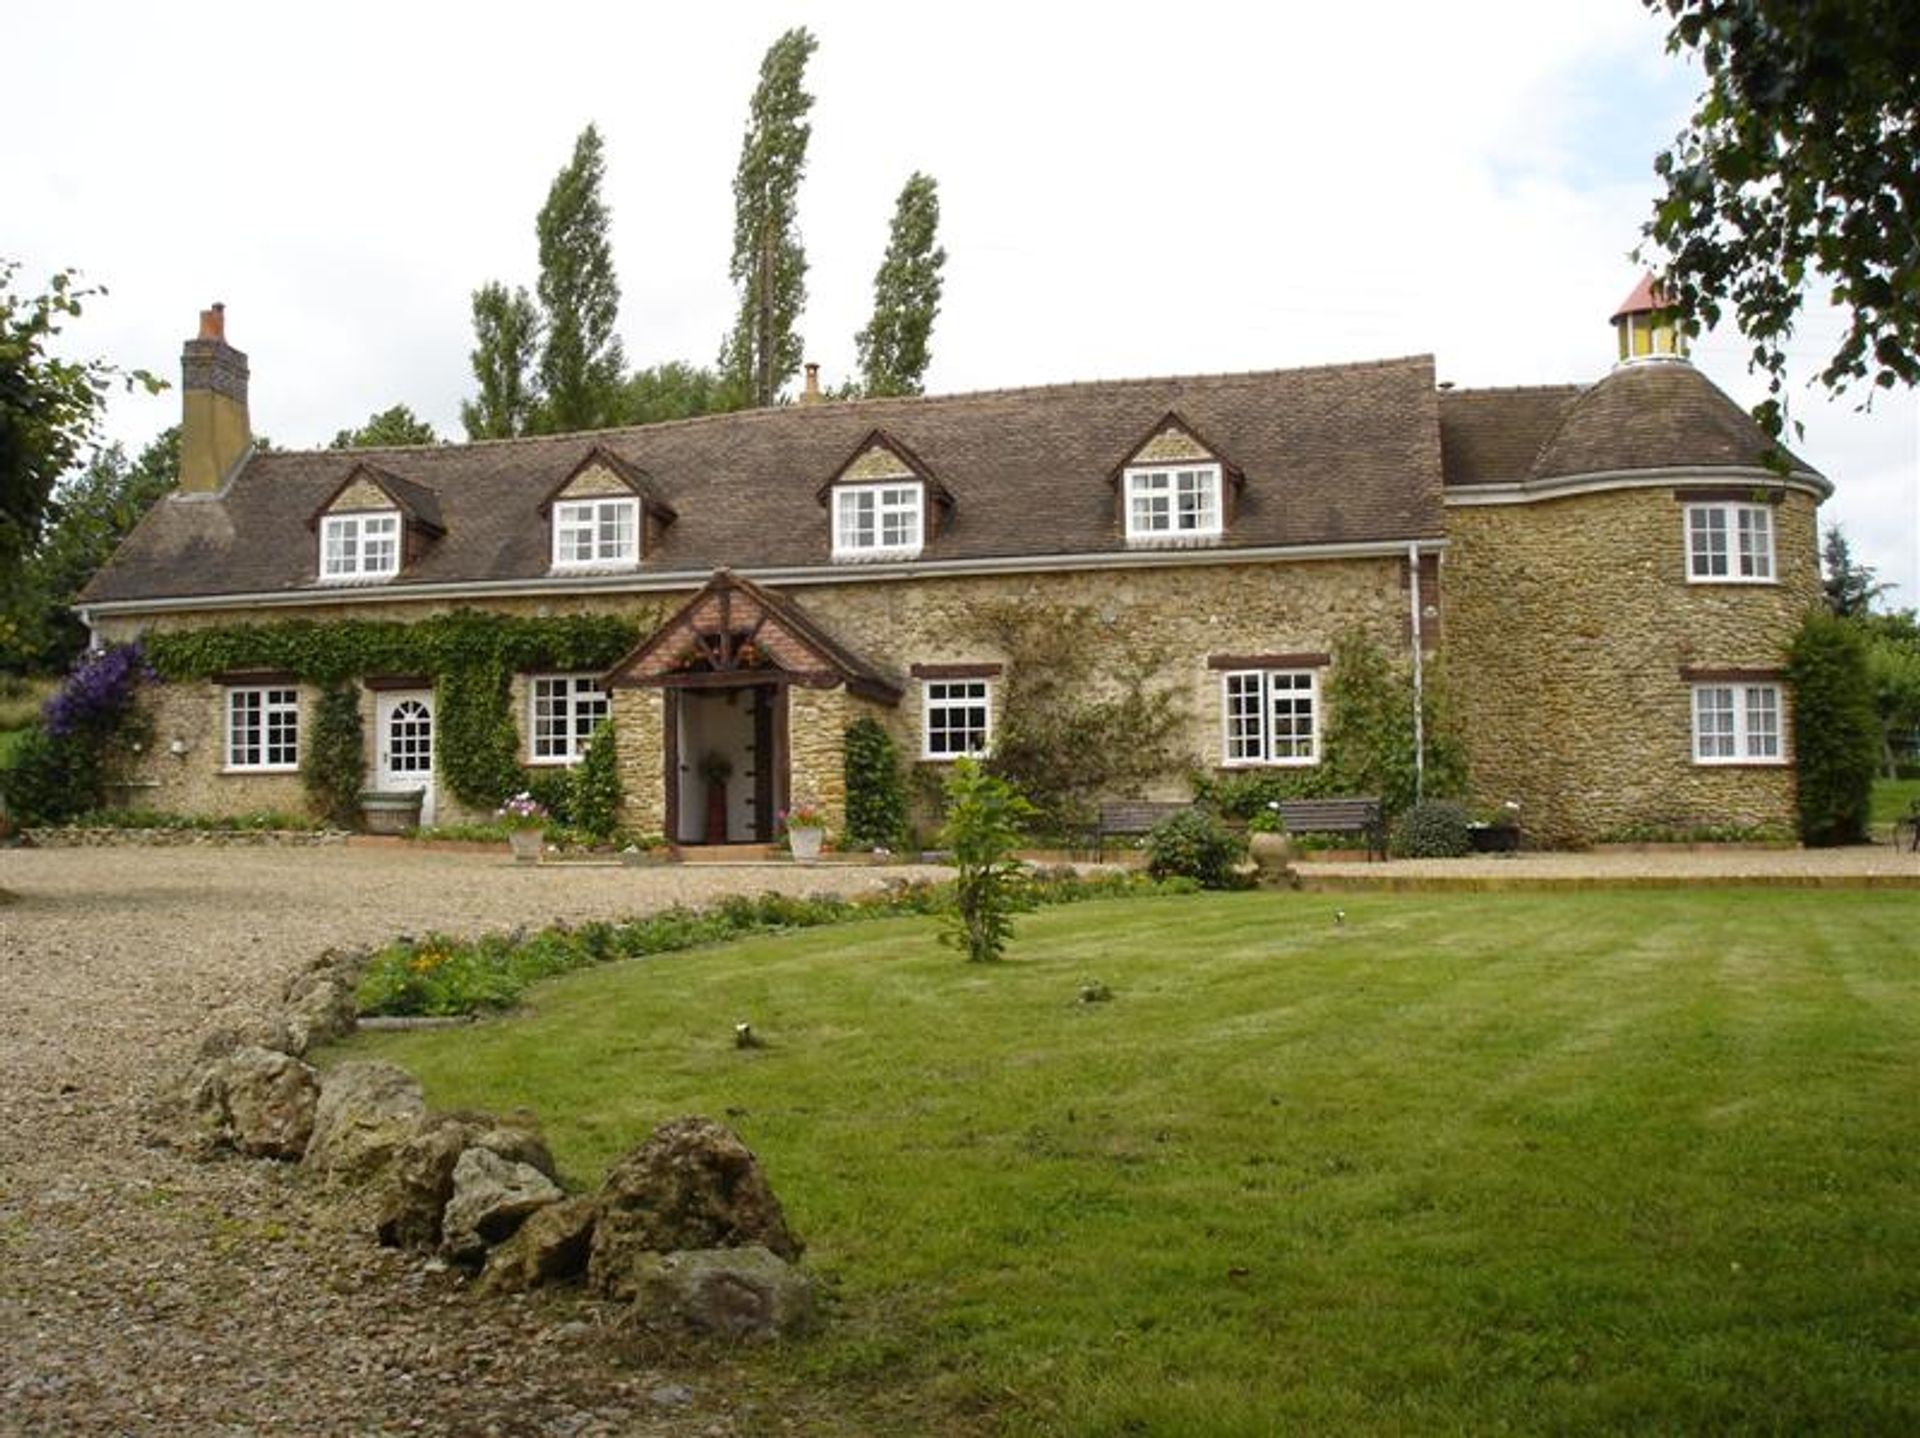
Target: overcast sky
1126 190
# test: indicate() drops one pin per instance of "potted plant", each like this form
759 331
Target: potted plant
716 768
806 826
1499 834
526 821
1270 845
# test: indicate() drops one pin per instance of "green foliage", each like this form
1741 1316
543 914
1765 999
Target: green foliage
442 975
333 767
1683 831
49 406
506 339
258 822
674 390
769 266
876 795
1081 721
552 789
396 426
1433 829
49 780
1851 587
1194 844
1836 738
986 817
88 516
593 791
1798 161
582 365
1893 669
472 655
896 346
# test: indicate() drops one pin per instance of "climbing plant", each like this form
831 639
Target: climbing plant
594 787
876 798
472 657
1080 721
334 765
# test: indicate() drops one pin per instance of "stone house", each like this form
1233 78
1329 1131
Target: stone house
1607 575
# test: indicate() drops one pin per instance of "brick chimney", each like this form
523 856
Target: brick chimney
811 394
214 432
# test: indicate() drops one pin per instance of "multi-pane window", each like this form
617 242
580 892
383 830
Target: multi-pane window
359 546
1737 724
1272 716
567 708
1729 542
1173 502
596 531
872 519
958 717
263 728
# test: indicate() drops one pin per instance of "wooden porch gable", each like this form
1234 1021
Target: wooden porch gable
734 632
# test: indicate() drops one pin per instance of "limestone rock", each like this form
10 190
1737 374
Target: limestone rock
552 1245
367 1110
320 1006
738 1293
257 1101
492 1197
420 1180
692 1185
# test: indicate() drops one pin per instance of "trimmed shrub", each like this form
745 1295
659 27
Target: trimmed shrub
1836 731
876 794
1194 844
50 780
593 789
1433 829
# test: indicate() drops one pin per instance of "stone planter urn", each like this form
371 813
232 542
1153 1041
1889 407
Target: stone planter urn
1272 855
526 844
805 843
390 813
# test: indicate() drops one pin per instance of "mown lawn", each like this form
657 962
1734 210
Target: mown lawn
1510 1163
1893 799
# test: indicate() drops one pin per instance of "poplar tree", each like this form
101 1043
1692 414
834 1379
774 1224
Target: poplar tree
769 265
506 336
895 345
581 363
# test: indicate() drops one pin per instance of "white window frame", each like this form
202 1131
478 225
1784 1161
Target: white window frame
349 542
1174 502
863 515
262 727
1739 722
1249 734
1736 537
606 528
579 697
956 698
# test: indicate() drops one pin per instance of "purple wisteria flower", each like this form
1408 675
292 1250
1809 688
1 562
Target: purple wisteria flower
98 692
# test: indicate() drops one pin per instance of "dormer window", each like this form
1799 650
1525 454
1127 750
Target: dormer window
1174 502
360 546
873 520
596 533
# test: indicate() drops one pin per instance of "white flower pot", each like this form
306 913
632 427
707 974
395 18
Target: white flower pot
805 844
527 844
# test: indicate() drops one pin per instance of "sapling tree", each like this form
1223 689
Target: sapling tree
986 817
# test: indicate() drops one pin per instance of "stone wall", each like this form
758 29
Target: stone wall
1569 622
817 721
639 717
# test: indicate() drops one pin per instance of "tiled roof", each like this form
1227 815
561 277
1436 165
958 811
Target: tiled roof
1338 454
1657 414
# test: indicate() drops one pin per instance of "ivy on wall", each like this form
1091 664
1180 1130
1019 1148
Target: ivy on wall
471 656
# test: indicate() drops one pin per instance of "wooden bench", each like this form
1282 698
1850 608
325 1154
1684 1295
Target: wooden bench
1130 818
1338 816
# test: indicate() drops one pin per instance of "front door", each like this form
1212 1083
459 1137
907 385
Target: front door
404 740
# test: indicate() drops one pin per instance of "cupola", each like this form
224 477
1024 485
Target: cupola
1647 328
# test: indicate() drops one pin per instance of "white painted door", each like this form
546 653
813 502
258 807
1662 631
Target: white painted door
404 723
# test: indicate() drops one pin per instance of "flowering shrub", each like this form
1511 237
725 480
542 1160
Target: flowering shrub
522 811
99 692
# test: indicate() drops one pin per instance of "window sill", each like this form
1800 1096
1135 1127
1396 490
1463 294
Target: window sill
596 566
351 581
1714 581
1740 764
1269 764
874 556
246 770
553 762
1191 540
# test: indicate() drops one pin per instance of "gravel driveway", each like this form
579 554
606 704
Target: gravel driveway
144 1293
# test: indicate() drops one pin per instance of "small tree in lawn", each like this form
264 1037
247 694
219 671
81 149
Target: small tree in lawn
986 817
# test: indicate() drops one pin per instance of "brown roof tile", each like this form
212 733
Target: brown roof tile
1344 453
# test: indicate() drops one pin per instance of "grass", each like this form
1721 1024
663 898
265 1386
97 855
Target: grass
1893 799
1588 1163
